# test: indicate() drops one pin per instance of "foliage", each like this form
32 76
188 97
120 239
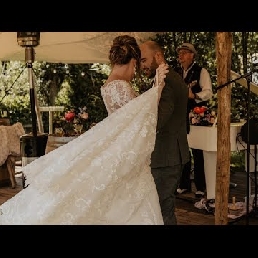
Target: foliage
237 161
51 78
15 91
244 55
85 91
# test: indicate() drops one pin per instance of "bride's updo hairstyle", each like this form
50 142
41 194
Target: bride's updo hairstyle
123 49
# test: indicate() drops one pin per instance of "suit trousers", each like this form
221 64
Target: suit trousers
166 180
185 180
199 175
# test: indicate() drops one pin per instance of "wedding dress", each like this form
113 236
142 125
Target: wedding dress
102 177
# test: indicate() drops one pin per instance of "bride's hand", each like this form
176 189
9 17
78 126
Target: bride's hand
161 72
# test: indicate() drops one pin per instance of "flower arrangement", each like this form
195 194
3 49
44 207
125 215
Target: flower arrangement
72 123
202 116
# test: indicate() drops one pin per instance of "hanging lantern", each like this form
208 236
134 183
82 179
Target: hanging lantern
28 39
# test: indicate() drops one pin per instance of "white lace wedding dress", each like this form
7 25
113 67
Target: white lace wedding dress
100 178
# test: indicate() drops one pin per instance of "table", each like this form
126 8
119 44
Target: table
205 138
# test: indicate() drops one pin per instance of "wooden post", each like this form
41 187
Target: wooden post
223 53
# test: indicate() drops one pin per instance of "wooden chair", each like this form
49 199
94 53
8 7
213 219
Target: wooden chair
7 170
4 173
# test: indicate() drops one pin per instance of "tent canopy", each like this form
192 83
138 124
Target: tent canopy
66 47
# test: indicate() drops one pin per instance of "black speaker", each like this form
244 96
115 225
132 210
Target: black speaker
33 146
253 131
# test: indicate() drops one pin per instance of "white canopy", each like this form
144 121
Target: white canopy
66 47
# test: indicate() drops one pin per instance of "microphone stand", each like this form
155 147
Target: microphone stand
29 59
254 211
32 146
234 80
248 78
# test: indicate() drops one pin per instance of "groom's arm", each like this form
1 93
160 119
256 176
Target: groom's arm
166 105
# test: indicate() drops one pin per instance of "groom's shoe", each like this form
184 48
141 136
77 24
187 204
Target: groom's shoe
181 191
199 194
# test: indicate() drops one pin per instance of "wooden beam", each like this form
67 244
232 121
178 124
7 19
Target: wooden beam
223 53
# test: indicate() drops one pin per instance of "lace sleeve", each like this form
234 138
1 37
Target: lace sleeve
116 94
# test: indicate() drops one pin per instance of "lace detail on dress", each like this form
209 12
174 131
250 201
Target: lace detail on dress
116 94
102 177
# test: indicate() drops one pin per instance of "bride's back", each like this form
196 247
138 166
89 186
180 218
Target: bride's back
116 94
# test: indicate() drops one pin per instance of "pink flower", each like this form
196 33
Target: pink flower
69 116
84 115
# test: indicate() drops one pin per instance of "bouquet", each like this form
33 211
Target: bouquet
72 123
202 116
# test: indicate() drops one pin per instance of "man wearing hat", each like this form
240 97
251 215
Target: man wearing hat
200 91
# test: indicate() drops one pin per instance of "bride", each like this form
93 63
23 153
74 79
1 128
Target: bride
103 177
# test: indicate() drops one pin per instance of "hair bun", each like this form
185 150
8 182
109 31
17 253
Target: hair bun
123 49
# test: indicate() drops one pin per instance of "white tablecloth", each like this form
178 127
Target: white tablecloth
205 138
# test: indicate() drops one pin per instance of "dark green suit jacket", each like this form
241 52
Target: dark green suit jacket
171 146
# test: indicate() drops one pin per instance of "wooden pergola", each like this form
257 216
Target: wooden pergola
223 54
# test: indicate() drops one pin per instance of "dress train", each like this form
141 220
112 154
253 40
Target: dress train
102 177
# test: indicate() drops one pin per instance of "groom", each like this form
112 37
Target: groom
171 149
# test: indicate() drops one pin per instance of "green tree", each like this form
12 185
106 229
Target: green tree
85 82
14 91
